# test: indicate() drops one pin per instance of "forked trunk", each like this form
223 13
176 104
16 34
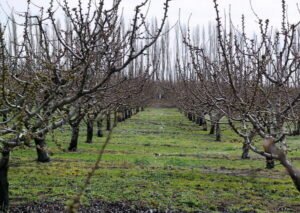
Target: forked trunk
42 153
4 195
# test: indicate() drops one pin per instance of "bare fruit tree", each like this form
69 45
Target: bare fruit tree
254 82
55 66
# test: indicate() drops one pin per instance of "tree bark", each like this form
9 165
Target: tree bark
193 118
199 121
108 123
99 129
89 130
115 119
246 148
190 116
204 125
297 130
218 131
4 185
294 174
42 154
74 139
270 163
212 128
120 116
126 114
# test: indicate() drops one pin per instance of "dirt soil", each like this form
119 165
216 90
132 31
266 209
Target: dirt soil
95 206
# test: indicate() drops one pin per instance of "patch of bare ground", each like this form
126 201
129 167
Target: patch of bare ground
94 207
126 207
264 173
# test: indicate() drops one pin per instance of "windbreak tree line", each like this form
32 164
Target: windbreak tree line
55 74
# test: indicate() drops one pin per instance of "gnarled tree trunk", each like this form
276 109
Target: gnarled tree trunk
4 185
42 153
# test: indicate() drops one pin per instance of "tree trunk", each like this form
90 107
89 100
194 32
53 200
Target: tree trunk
294 174
218 132
108 123
129 113
199 121
194 118
120 116
142 109
74 139
42 154
204 125
246 148
212 128
115 119
126 114
297 130
270 163
4 195
190 116
99 129
89 130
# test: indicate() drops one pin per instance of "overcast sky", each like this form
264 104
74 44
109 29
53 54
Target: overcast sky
201 11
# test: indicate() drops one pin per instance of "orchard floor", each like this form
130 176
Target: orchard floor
155 161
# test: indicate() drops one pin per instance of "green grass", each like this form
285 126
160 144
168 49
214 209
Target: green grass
158 159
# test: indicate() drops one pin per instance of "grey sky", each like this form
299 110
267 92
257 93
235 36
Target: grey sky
202 11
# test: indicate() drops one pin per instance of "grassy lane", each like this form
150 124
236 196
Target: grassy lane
158 159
